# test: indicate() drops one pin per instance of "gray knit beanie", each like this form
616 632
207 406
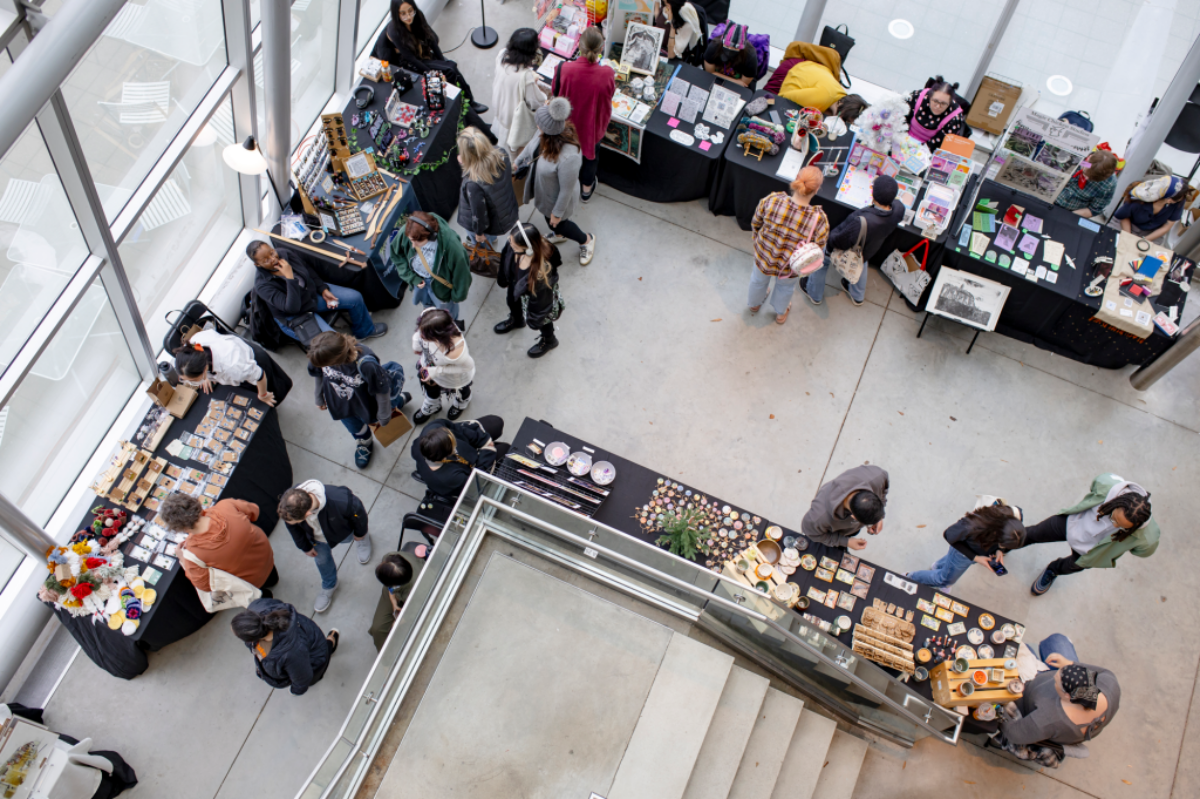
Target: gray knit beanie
552 118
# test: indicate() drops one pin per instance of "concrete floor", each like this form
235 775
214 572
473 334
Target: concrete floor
660 362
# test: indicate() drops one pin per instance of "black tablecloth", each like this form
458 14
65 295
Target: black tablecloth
1057 317
632 489
261 476
669 172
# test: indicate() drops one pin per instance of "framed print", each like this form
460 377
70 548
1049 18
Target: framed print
642 45
624 138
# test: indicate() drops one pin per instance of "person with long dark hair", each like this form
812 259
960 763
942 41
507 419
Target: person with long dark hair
289 649
210 357
982 536
933 114
687 31
409 42
1114 518
589 87
516 95
445 367
447 452
529 272
554 186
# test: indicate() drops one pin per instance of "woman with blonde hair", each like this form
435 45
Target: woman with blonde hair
516 94
782 223
589 87
487 204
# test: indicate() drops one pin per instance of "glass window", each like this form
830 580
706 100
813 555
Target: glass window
134 89
371 14
65 406
186 229
10 560
314 62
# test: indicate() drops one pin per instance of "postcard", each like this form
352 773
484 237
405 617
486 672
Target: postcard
959 608
824 574
931 623
925 606
941 601
845 576
944 615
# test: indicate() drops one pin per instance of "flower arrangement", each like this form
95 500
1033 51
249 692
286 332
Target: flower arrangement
88 576
881 123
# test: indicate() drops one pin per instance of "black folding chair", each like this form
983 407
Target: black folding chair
194 313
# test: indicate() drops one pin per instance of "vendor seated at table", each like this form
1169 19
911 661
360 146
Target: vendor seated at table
290 286
732 56
1091 187
808 76
1151 207
933 114
210 357
687 31
846 504
447 452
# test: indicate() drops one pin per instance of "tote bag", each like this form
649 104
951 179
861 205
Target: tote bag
907 274
850 262
226 590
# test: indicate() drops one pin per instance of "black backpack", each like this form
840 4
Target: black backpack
1079 119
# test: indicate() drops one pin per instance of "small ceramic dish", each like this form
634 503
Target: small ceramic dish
998 636
579 463
808 562
960 664
924 655
986 652
987 621
770 551
557 453
844 623
966 652
774 532
604 472
1010 632
975 636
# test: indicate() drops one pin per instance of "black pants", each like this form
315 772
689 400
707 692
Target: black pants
272 578
434 391
516 312
569 229
1051 530
587 173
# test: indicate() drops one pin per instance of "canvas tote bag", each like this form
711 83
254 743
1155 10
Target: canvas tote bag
907 274
227 590
850 262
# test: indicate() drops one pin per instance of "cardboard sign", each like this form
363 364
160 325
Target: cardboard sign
993 105
387 434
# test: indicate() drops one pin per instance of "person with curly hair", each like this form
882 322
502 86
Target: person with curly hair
1114 518
223 537
982 536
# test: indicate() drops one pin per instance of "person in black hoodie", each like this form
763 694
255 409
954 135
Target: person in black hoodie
447 452
289 649
290 286
529 270
883 216
319 517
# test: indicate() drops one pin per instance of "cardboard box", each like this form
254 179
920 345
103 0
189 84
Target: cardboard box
177 400
993 105
388 433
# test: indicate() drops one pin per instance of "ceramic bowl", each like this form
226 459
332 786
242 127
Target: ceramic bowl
1011 664
961 665
924 655
844 623
998 637
986 652
979 677
921 674
774 532
579 463
802 603
557 453
604 472
764 571
761 586
966 688
975 636
770 551
1016 687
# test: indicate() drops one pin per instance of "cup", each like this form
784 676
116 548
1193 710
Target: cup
998 637
979 677
1010 664
966 688
1016 687
985 712
802 603
998 676
921 674
961 665
744 566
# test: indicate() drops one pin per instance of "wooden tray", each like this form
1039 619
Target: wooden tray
945 681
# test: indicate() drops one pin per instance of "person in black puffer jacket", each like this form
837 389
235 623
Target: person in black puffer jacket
290 651
487 204
529 270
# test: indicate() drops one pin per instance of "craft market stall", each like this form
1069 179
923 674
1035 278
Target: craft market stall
118 586
865 608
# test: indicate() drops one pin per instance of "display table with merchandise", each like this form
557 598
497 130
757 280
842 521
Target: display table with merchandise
872 590
1056 316
260 475
670 171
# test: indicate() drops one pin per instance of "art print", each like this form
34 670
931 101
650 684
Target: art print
642 45
849 562
846 601
824 574
831 598
866 573
1058 159
829 563
860 589
1031 178
970 300
624 138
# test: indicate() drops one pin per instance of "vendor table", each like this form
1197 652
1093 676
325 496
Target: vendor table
1058 317
261 476
632 489
670 172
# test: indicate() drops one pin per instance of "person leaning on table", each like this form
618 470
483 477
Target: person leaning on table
223 537
210 357
1153 207
846 504
1091 188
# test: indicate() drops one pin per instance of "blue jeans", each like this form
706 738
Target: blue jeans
326 565
816 283
425 296
945 572
1057 643
781 296
395 371
348 300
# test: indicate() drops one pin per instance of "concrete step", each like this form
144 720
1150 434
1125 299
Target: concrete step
806 756
767 746
675 719
844 762
721 754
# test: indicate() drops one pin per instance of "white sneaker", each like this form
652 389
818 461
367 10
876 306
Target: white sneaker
556 238
363 547
324 600
587 250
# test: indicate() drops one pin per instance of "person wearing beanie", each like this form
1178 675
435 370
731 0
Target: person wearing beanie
782 222
554 185
589 86
883 216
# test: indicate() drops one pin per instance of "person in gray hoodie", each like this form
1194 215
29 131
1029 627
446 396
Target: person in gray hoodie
846 504
290 651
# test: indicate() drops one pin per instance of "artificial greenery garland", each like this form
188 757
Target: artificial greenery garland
392 166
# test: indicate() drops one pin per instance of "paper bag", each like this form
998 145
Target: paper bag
908 274
388 433
993 105
177 400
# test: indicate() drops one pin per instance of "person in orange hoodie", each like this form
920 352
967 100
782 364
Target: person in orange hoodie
224 537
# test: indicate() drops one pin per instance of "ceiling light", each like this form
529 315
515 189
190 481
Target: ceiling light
1060 85
901 28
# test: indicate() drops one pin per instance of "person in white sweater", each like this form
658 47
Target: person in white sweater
446 368
516 95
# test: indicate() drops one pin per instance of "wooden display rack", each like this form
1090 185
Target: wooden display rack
128 466
109 477
333 127
945 681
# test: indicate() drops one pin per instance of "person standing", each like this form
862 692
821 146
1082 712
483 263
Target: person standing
854 499
554 184
781 223
882 216
982 536
289 649
356 389
445 367
529 272
398 573
516 94
210 357
589 87
447 452
223 537
487 204
1114 518
319 517
933 114
430 258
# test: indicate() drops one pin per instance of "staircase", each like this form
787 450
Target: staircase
712 730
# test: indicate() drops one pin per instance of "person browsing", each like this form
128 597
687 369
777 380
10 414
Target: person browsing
853 500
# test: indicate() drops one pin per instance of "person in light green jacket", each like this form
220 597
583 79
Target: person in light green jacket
1114 518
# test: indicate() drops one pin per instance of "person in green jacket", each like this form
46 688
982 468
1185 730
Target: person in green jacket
398 572
429 256
1114 518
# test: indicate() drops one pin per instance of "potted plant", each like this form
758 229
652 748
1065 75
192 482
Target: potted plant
683 535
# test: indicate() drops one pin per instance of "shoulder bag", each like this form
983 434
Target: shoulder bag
484 261
305 326
907 274
838 39
429 269
226 590
850 262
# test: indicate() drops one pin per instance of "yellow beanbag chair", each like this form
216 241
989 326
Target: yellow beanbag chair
811 85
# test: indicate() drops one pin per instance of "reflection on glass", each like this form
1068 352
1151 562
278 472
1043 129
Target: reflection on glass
371 14
134 89
64 406
186 229
314 56
10 559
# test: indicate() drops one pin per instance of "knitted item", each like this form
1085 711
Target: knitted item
552 118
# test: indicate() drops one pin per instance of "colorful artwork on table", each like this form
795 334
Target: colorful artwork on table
624 138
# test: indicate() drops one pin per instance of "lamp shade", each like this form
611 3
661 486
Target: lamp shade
245 157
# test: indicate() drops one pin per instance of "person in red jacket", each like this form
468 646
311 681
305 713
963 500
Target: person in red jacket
590 88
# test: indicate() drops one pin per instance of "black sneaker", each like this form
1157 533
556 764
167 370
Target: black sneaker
544 345
585 196
380 330
846 288
804 291
507 326
1042 584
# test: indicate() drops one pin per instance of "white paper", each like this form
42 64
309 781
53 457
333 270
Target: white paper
1126 312
1020 266
1041 272
1052 253
790 166
723 107
1128 302
450 90
1143 318
688 109
1052 277
670 103
1110 305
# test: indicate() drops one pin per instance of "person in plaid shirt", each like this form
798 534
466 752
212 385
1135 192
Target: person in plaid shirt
782 223
1091 187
